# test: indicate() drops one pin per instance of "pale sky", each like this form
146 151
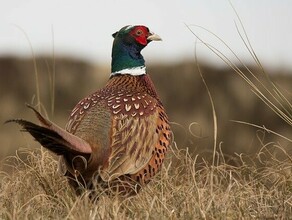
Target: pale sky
83 29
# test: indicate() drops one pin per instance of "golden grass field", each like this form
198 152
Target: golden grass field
231 175
184 189
230 157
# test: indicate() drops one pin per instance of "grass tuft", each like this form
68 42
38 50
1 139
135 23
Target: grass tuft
184 189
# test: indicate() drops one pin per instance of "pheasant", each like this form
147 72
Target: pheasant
116 137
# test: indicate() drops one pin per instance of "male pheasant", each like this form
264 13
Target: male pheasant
117 136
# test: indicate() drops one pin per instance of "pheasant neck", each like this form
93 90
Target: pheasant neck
142 83
127 59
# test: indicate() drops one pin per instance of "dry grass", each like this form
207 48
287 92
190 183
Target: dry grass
259 187
260 83
181 191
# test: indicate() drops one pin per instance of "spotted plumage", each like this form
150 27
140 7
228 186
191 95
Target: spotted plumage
118 135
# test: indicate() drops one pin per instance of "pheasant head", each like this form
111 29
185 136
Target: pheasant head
127 46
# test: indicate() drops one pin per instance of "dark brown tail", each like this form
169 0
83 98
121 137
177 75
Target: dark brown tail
53 137
46 137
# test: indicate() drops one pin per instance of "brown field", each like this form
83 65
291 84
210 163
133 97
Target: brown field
250 176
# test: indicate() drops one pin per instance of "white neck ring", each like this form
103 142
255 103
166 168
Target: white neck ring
135 71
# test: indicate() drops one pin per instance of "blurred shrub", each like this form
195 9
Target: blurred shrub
179 86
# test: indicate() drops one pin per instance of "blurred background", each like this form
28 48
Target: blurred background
67 45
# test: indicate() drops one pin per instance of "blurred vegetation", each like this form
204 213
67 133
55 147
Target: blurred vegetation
179 86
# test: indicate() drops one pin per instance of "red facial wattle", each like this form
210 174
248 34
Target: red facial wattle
140 33
142 40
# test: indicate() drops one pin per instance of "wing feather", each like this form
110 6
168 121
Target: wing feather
133 142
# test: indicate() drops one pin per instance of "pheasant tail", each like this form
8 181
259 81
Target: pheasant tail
53 137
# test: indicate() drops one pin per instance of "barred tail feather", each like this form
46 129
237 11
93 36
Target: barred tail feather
53 137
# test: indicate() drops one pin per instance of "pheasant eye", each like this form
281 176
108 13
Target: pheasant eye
139 32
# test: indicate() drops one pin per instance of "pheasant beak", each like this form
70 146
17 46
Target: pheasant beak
153 37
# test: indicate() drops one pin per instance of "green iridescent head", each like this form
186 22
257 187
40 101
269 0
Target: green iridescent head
127 46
